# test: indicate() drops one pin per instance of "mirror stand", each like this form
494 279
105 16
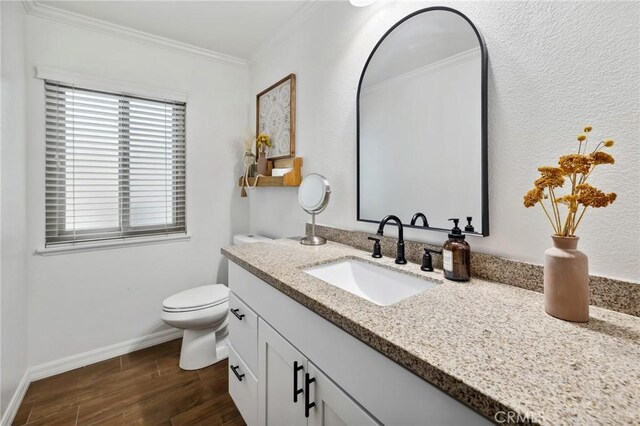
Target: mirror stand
313 197
313 239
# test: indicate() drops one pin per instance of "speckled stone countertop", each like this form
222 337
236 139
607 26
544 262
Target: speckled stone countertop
489 345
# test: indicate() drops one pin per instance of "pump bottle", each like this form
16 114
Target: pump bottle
456 255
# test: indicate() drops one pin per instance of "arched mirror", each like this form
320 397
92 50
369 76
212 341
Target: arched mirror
422 124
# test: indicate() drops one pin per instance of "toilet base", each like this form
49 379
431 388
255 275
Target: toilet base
202 348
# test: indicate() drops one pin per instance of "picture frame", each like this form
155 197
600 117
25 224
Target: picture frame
276 117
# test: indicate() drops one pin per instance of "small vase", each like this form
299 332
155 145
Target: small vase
262 163
253 170
566 280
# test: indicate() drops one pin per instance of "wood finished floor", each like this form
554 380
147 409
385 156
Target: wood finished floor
144 387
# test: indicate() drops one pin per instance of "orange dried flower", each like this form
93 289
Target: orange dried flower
549 170
575 163
533 197
571 201
590 196
601 158
574 168
549 180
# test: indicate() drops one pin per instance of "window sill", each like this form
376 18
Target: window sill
107 245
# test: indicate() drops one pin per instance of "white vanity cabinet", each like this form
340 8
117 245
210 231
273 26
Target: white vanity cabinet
331 406
243 358
293 391
280 377
304 361
243 386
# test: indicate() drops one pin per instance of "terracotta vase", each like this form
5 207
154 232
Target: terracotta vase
262 163
566 280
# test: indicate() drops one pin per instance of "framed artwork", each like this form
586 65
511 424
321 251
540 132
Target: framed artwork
276 117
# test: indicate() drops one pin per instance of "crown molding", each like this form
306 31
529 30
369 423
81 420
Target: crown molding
287 29
452 60
34 8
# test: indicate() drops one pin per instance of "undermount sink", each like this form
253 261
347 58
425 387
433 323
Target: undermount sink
376 284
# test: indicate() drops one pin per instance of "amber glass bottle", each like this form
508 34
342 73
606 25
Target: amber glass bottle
456 255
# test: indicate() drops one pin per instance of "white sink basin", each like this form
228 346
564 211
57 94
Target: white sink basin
379 285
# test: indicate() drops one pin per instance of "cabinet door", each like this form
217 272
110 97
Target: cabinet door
331 405
280 368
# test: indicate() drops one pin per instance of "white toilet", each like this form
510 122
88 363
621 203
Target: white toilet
202 313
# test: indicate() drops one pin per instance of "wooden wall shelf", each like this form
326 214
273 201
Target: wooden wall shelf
293 178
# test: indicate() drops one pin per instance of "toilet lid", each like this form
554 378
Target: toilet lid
197 298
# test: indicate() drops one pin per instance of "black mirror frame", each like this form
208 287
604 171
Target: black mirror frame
484 150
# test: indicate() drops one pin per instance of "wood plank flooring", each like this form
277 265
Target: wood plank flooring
141 388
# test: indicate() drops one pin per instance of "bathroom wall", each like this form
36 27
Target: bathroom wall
85 301
13 226
553 67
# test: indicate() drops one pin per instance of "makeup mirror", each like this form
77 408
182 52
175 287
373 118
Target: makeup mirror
313 196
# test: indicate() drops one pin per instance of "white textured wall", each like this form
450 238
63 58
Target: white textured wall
553 67
13 284
84 301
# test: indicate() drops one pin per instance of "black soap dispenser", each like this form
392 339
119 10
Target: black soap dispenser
456 255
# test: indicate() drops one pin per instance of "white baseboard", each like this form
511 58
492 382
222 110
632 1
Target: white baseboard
14 404
52 368
76 361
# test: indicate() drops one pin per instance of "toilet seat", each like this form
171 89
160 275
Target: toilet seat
195 308
196 299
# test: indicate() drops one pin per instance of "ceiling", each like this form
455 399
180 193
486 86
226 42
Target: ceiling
235 28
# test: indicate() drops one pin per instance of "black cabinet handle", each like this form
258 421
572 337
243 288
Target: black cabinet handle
296 391
235 312
234 368
307 405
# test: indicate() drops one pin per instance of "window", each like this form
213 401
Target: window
115 165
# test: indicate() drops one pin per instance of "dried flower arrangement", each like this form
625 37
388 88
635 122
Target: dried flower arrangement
576 168
263 141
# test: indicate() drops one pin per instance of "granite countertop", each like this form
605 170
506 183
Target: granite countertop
489 345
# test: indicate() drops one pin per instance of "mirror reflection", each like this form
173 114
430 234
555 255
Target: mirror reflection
422 124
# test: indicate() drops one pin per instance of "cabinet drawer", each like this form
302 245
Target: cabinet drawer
243 331
243 387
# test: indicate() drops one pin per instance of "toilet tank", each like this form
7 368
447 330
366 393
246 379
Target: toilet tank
249 238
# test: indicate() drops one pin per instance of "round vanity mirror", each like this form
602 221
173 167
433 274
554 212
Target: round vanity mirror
313 196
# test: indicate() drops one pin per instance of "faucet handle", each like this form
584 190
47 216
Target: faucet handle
376 247
427 261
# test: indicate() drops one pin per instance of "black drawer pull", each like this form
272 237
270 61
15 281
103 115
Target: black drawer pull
296 391
234 368
235 312
307 405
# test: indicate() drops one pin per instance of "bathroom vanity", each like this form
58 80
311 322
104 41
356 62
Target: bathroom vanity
301 368
304 351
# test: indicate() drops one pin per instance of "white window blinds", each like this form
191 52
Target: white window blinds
115 165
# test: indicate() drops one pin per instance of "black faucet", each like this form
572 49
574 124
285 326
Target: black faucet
400 260
417 216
